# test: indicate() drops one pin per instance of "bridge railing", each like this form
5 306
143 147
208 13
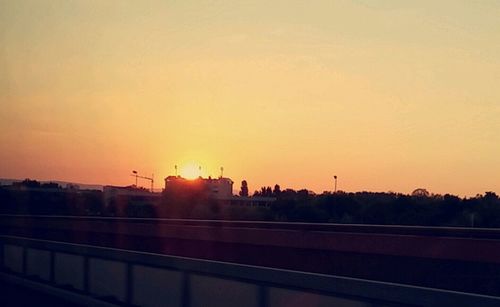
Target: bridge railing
92 275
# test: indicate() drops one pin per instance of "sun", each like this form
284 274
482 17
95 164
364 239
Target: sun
190 171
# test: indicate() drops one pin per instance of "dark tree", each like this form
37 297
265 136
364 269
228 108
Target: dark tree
269 192
244 189
277 190
420 192
27 183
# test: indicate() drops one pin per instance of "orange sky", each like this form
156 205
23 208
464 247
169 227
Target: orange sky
388 96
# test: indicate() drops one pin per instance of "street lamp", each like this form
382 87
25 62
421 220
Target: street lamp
135 175
335 178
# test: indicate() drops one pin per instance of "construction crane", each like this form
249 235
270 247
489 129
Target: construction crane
136 175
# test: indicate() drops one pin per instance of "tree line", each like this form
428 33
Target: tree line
422 208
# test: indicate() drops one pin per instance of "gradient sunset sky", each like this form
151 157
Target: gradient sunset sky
388 95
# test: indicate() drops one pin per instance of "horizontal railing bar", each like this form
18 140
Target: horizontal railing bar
424 230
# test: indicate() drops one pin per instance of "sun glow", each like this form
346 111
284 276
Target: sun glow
190 171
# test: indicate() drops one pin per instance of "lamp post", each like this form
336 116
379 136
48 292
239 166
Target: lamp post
335 189
135 175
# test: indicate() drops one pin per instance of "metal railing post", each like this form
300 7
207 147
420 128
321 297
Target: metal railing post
186 290
52 276
25 260
2 252
129 284
86 273
263 296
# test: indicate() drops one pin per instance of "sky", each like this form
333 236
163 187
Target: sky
387 95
